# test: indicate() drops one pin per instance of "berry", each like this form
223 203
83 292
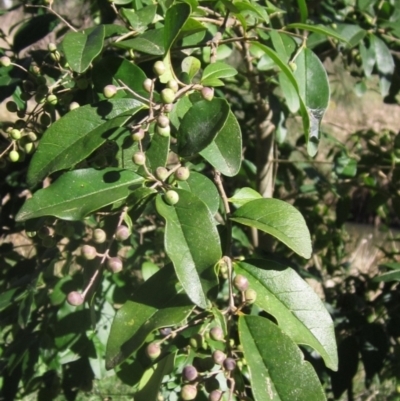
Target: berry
217 334
99 236
250 296
218 357
45 119
31 136
138 135
182 174
159 68
89 252
168 108
74 105
207 93
55 56
12 106
148 85
139 158
189 373
28 147
240 282
167 96
172 84
215 395
51 47
211 384
75 298
229 364
109 91
43 232
164 131
115 264
165 331
15 134
122 233
188 392
5 61
153 350
14 156
293 66
171 197
52 99
161 173
163 121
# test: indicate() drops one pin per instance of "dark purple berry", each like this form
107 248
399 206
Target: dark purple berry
240 282
218 357
216 333
229 364
189 373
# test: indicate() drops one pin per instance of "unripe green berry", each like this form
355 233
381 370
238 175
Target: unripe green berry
164 131
215 395
172 84
14 156
29 147
115 264
89 252
207 93
139 158
109 91
240 282
217 334
189 373
74 105
122 233
56 56
138 135
162 121
188 392
159 68
31 136
15 134
250 296
148 85
218 357
5 61
52 99
35 69
153 350
182 174
229 364
99 236
171 197
161 173
75 298
293 66
167 96
51 47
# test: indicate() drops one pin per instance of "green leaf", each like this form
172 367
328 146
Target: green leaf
353 34
190 67
157 152
149 42
384 64
303 10
289 93
313 84
213 72
388 276
243 196
77 134
77 193
193 245
345 166
157 303
81 48
254 8
277 367
368 59
284 45
200 125
321 29
140 19
297 308
203 188
279 219
224 153
175 18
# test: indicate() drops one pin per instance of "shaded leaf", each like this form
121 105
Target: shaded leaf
193 245
77 193
140 19
279 219
277 367
175 19
353 34
299 311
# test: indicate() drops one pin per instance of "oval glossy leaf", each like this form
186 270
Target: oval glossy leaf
157 303
175 19
77 193
313 84
213 72
277 367
149 42
204 189
299 311
140 19
279 219
243 196
353 34
77 134
190 67
193 245
200 125
80 48
224 153
323 30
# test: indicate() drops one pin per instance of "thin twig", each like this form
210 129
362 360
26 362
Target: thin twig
56 14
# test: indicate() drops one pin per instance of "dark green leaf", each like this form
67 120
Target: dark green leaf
200 125
149 42
277 367
193 245
157 303
81 48
279 219
157 151
175 19
388 276
140 19
213 72
299 311
303 10
77 193
224 153
77 134
255 9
